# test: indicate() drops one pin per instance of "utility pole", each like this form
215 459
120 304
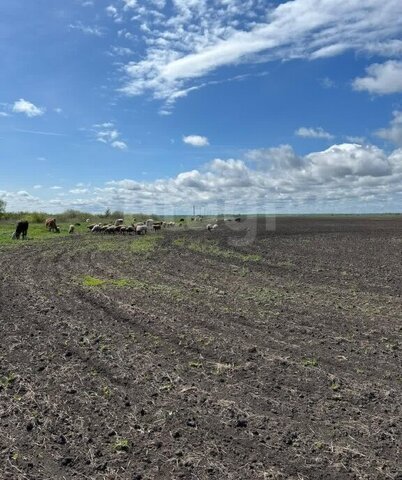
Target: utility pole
193 210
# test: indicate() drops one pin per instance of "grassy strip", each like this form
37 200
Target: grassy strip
145 243
167 290
211 248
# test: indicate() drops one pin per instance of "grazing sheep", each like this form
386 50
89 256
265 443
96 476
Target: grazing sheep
209 227
109 229
157 225
214 226
237 219
21 229
87 220
119 221
141 229
96 228
149 223
71 229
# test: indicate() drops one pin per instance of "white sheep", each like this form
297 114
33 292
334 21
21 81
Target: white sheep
141 229
71 229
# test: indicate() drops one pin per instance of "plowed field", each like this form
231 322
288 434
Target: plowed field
191 355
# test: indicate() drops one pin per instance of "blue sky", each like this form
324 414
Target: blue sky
156 105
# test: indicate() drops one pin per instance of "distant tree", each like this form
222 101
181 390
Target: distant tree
107 212
2 207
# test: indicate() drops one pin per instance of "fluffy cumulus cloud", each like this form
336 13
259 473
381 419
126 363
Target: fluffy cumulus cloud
108 134
394 132
313 133
196 140
344 177
193 38
27 108
382 78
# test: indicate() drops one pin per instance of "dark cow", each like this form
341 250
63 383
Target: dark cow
21 230
51 225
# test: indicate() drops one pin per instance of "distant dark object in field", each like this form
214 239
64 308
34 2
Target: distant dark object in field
192 219
237 219
21 230
77 224
181 220
51 225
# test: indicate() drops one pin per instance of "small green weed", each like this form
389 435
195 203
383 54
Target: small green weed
121 445
7 381
195 364
310 362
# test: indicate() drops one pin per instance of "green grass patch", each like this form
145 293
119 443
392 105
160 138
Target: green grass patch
145 243
212 248
36 233
89 281
163 290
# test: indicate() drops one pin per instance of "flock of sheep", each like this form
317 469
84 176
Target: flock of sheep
134 228
118 226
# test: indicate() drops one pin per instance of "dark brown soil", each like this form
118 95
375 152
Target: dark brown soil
199 357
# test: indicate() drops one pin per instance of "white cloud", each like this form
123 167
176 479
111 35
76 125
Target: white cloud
113 12
37 187
198 37
196 140
382 78
119 145
87 29
354 139
348 159
58 110
394 132
28 108
78 190
121 51
4 114
313 133
129 4
56 187
279 158
108 134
